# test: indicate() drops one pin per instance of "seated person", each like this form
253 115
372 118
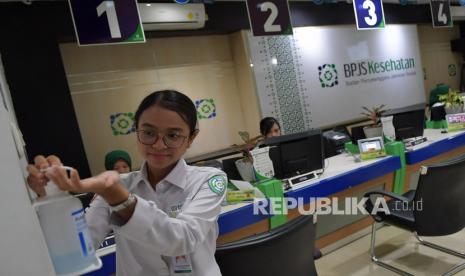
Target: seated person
440 89
118 160
269 127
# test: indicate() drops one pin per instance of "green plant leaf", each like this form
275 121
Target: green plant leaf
366 108
245 136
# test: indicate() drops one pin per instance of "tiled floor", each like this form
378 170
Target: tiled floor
399 248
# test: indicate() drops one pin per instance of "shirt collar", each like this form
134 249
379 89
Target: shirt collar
176 177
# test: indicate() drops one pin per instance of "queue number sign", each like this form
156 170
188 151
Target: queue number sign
269 17
106 21
369 14
440 13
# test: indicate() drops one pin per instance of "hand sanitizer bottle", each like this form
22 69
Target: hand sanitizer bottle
64 226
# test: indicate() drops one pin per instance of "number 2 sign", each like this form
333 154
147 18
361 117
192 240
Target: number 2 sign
369 14
106 21
269 17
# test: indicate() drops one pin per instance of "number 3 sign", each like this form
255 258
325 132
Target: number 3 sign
269 17
106 21
369 14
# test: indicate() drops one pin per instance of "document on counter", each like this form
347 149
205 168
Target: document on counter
262 162
244 185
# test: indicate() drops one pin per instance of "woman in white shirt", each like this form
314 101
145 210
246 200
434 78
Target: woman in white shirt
165 216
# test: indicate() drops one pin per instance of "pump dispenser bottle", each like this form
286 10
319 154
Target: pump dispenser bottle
64 226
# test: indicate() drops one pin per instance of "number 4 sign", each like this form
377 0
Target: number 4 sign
106 21
440 12
269 17
369 14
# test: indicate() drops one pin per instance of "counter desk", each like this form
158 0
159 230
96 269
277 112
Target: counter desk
438 147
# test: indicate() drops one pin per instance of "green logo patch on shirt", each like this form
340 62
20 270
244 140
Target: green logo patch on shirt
217 184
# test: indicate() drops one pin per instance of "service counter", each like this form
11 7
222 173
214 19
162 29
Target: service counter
438 147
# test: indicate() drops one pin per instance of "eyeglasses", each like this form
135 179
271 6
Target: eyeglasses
171 140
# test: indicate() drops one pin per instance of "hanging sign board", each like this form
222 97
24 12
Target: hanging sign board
270 17
106 21
369 14
440 13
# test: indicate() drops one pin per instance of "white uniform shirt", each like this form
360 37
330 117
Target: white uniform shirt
179 218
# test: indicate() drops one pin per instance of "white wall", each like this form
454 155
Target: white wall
22 247
105 80
436 56
287 71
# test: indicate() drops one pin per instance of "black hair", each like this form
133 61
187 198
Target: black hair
266 124
171 100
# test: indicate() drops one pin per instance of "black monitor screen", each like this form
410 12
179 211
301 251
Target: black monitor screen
357 134
295 154
438 113
229 167
408 121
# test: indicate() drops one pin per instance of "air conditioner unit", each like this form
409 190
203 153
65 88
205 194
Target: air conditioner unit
457 13
172 16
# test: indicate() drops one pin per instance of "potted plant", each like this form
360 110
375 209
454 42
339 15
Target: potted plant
453 102
374 114
245 164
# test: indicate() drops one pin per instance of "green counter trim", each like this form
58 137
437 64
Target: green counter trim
398 149
274 188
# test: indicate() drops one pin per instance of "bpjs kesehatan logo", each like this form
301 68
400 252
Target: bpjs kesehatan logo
363 68
328 75
365 71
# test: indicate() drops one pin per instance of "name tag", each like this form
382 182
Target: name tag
174 210
182 264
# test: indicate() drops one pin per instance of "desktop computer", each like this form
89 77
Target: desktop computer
297 157
409 122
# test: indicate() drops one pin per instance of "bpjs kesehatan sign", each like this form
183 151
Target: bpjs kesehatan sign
356 73
309 80
372 67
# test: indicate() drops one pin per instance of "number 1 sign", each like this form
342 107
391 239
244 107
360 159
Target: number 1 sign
269 17
369 14
106 21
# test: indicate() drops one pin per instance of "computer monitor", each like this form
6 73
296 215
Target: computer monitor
408 121
296 154
438 113
229 167
357 134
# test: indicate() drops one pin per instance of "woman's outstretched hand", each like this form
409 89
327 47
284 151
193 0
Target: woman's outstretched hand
106 184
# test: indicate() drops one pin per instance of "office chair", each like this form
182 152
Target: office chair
441 190
286 250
